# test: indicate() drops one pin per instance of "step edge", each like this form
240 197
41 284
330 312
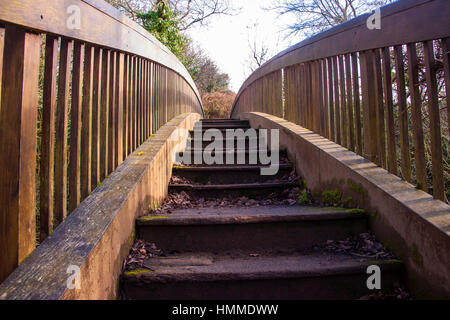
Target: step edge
357 267
326 216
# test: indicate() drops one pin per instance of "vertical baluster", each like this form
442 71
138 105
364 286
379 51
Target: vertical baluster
86 122
416 107
389 112
337 108
126 112
357 104
152 94
435 127
48 138
343 103
96 102
130 106
2 46
380 109
331 100
402 114
112 111
61 119
320 111
350 115
18 114
104 115
369 106
446 49
118 116
75 127
325 99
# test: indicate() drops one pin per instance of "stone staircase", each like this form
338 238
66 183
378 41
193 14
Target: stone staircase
249 252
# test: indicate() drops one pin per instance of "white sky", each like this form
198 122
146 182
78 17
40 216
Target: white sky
225 39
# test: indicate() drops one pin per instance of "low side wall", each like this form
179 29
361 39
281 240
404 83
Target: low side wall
408 221
97 236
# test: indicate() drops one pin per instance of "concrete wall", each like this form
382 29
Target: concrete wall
408 221
97 236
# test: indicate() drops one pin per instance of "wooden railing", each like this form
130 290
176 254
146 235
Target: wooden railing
371 91
76 100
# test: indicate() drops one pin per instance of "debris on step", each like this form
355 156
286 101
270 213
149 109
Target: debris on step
399 293
364 246
139 253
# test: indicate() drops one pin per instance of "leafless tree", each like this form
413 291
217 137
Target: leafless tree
314 16
259 50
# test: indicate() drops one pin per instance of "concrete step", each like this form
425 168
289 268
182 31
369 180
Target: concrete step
266 277
256 228
220 191
249 156
229 174
242 144
223 125
223 130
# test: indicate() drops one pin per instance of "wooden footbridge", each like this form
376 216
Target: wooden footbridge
93 110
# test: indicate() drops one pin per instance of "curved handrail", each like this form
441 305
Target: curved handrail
101 24
339 84
354 36
107 86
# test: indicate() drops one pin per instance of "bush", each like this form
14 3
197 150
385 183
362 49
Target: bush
217 105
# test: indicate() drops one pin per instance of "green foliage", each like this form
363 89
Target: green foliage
331 197
303 198
164 24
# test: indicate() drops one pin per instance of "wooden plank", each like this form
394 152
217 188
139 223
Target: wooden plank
433 108
380 109
135 104
350 115
130 106
118 117
104 115
325 100
416 107
150 101
111 111
126 94
86 127
402 114
2 46
389 112
343 103
139 103
75 126
331 99
446 49
61 119
369 106
96 115
320 109
18 147
46 172
357 104
337 107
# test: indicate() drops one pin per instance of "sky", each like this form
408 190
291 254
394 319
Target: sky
226 38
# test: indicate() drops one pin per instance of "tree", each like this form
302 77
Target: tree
164 24
314 16
259 52
189 12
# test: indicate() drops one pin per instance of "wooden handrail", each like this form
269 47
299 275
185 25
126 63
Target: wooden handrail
339 84
100 91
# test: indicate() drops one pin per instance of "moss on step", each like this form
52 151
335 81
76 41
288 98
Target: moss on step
331 197
137 272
